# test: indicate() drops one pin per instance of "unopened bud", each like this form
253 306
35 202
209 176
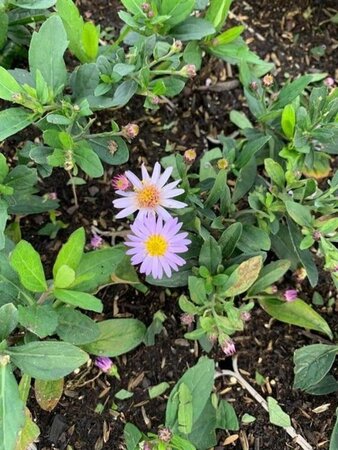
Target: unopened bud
145 7
253 85
155 100
130 131
76 108
188 71
189 156
329 82
317 235
245 316
222 164
228 347
150 14
268 80
164 434
17 97
68 165
177 46
187 319
290 295
300 274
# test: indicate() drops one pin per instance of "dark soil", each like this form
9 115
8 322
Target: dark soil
288 31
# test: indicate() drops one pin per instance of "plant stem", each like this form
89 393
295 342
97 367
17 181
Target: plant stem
76 203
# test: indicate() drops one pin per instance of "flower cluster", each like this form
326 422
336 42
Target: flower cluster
156 240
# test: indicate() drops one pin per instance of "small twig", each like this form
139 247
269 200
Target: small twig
235 373
76 203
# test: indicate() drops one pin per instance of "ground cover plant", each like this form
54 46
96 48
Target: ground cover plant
178 294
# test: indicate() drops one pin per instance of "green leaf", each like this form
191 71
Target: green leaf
217 189
226 417
240 119
8 320
275 172
210 255
3 28
218 12
100 146
76 328
90 40
197 290
8 85
46 53
41 320
249 150
97 267
177 10
326 385
12 412
28 434
117 336
199 380
299 213
269 275
48 360
312 363
291 90
289 121
79 299
203 434
48 393
71 252
132 436
3 221
276 415
65 276
159 389
185 409
27 263
304 256
229 239
228 36
134 6
245 180
193 29
124 93
247 418
193 54
295 313
243 277
123 394
87 159
33 4
13 120
334 435
4 169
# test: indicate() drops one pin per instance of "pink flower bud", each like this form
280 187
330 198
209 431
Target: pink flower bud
52 196
228 347
329 82
150 14
145 7
317 235
290 295
155 100
177 46
188 71
121 183
164 434
96 241
130 131
187 319
268 80
253 85
245 316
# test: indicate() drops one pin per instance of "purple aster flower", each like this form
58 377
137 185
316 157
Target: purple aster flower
290 295
103 363
96 241
150 196
228 347
155 245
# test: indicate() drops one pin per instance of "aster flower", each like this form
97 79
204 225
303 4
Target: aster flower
121 183
150 196
155 245
290 295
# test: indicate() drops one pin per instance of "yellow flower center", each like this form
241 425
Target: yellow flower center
148 196
222 164
156 245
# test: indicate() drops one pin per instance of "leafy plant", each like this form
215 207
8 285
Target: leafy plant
33 309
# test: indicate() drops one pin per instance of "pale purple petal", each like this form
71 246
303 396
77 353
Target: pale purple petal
125 212
169 203
164 177
156 173
135 181
172 193
163 213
